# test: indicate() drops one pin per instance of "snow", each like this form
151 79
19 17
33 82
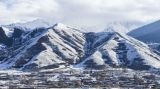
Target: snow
8 31
55 78
72 33
13 72
38 23
12 61
135 49
150 60
108 49
116 27
63 41
154 45
60 26
2 46
141 50
132 52
101 36
46 57
61 44
97 58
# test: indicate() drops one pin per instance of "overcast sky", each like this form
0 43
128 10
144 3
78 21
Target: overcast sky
82 13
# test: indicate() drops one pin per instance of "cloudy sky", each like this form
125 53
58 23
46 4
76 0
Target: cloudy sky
81 13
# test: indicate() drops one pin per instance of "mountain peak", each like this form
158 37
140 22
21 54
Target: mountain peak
60 26
38 23
147 33
116 27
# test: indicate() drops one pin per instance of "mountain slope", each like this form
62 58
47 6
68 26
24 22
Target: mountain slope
122 51
42 47
147 33
61 45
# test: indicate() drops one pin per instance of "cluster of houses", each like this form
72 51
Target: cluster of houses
113 78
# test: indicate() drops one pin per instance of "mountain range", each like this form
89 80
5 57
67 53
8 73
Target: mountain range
32 47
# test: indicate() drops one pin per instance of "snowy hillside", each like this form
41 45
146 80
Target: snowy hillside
119 50
44 47
147 33
61 45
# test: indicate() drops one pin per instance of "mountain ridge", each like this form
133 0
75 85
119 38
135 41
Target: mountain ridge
147 33
59 45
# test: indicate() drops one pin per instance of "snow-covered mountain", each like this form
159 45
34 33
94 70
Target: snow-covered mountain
61 45
41 47
116 27
119 50
38 23
148 33
122 27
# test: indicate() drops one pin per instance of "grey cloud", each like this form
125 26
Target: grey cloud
81 13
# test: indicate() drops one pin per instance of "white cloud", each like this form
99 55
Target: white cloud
25 10
79 12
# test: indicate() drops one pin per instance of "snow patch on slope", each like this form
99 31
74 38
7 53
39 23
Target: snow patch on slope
45 58
97 58
109 49
2 46
8 31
